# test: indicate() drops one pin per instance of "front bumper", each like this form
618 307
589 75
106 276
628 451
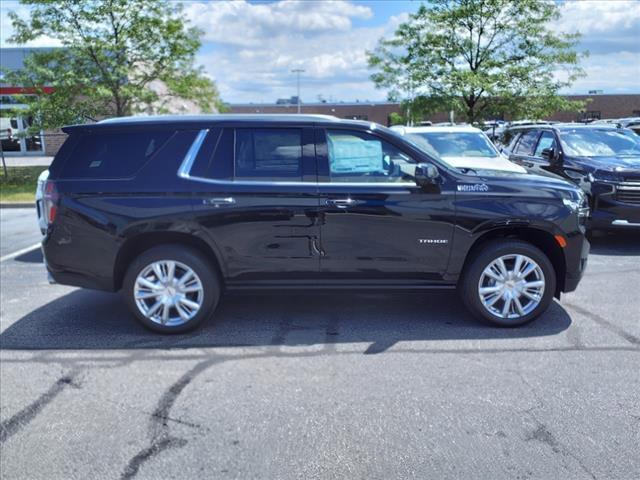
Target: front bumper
616 206
576 256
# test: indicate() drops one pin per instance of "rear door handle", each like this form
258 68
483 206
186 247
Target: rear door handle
340 202
219 202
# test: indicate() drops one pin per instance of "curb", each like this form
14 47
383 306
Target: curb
18 204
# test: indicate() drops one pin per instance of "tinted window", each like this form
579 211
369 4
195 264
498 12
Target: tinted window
269 154
547 140
361 157
113 155
526 143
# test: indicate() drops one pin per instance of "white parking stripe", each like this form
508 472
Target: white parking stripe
19 252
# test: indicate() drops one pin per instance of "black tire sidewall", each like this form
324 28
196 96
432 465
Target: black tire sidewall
194 260
492 251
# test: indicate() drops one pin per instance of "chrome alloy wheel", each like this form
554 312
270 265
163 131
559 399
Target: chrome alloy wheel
168 293
511 286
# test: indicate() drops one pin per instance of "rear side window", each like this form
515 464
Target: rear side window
527 142
113 155
268 154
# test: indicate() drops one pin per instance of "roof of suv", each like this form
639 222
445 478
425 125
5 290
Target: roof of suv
440 129
567 126
195 120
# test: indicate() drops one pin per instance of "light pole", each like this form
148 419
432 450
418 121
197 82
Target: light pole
298 71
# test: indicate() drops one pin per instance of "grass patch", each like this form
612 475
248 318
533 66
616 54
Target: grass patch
20 183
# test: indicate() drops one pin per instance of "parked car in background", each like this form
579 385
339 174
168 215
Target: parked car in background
8 139
462 147
176 210
632 123
603 159
42 221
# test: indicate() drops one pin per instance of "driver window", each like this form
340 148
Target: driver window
362 157
547 140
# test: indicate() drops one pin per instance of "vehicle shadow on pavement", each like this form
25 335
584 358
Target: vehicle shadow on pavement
34 256
623 243
100 321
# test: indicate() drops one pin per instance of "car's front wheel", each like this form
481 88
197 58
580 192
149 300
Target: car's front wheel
509 283
171 288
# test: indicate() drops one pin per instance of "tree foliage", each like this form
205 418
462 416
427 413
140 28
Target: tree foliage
119 57
481 58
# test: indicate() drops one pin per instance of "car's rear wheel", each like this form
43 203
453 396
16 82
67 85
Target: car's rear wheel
509 283
171 288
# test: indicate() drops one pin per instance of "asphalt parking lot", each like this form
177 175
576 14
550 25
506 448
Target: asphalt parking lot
319 385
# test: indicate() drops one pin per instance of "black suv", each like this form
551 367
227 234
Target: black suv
604 160
174 210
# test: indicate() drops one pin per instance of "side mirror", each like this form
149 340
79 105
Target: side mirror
551 155
426 174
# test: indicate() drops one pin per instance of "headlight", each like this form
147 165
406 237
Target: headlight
603 176
572 204
577 202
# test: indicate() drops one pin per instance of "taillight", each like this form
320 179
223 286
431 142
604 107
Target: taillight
50 201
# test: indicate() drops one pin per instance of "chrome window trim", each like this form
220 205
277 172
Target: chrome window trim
184 172
190 157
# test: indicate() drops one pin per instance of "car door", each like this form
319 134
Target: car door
546 140
255 195
376 222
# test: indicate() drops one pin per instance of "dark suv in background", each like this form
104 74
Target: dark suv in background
604 160
175 210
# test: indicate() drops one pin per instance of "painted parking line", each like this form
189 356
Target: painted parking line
20 252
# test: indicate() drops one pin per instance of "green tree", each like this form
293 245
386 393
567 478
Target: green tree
119 57
480 58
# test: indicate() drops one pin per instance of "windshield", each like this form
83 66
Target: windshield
455 144
600 143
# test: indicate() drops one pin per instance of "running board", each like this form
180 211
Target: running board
340 285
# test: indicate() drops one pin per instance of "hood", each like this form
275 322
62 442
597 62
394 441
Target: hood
613 163
516 184
484 163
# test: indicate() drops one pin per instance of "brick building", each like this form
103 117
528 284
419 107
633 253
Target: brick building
598 106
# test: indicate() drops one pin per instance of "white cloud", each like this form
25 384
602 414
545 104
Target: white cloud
255 47
611 33
243 23
599 16
6 28
606 26
612 72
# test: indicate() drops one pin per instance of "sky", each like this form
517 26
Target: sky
250 47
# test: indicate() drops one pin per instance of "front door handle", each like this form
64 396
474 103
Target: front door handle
340 202
219 202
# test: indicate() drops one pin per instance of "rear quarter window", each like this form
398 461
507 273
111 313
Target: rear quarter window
113 155
526 142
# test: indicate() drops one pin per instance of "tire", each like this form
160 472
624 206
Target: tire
176 294
491 309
